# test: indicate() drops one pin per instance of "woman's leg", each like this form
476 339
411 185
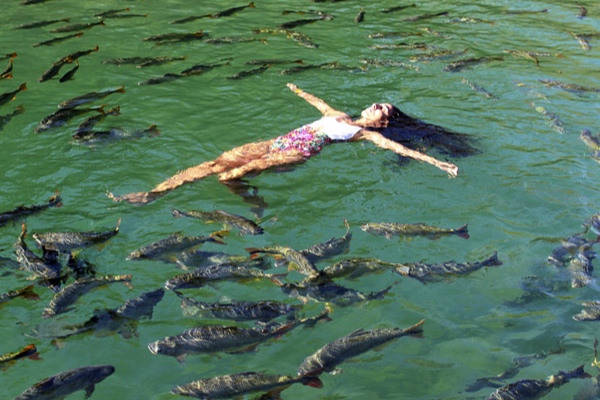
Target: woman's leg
258 165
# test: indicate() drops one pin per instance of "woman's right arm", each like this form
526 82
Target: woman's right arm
316 102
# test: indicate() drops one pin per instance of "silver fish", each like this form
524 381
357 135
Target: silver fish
580 268
25 211
46 267
201 276
66 241
89 97
263 311
389 229
245 225
296 258
591 312
168 248
328 357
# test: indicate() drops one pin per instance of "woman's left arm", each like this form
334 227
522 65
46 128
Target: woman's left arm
385 143
316 102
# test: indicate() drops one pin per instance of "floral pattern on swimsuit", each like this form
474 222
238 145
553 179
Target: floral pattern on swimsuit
305 139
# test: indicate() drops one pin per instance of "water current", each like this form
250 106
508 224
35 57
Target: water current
533 183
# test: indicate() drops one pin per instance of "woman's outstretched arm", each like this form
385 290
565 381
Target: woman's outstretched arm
316 102
385 143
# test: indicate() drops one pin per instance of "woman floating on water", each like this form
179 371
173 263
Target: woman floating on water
295 147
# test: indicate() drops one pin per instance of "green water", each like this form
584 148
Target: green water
530 182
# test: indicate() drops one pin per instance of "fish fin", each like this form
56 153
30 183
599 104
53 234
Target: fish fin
251 5
29 294
90 389
180 359
312 381
219 235
248 349
463 231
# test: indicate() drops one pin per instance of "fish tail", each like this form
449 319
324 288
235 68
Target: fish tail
493 260
218 236
312 381
577 373
251 5
23 86
55 200
463 231
415 330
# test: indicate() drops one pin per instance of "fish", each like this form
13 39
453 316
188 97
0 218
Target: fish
63 384
425 16
536 388
27 351
580 268
522 12
593 142
569 248
10 96
426 273
360 17
551 119
389 63
199 258
62 116
201 276
39 24
68 295
199 69
594 225
70 73
301 22
582 12
152 61
390 229
233 40
297 260
110 13
328 357
583 40
218 14
176 37
46 267
245 225
590 312
469 62
7 73
23 211
26 292
228 339
5 119
174 244
67 241
168 77
54 68
302 68
477 88
329 292
78 27
127 60
272 61
397 8
263 311
438 55
250 72
470 20
568 87
7 56
236 385
332 247
58 39
74 56
90 97
91 138
352 268
527 54
90 122
401 45
122 319
394 34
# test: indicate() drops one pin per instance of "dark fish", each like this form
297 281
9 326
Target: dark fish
68 295
202 276
90 97
7 73
438 55
591 141
200 69
299 22
59 39
594 225
272 61
233 40
63 384
198 258
25 211
425 16
127 60
29 2
580 268
360 17
8 358
176 37
401 45
469 62
568 87
390 229
151 61
9 96
569 248
128 15
591 312
536 388
229 339
39 24
397 8
91 138
296 259
7 56
389 63
74 56
67 241
302 68
122 320
551 119
168 77
332 247
70 73
62 116
5 119
26 292
328 357
477 88
91 122
263 311
433 272
245 225
521 12
174 244
218 14
582 12
250 72
77 27
352 268
329 292
110 13
46 267
55 68
234 386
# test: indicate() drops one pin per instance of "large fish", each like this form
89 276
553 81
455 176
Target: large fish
91 122
389 229
352 268
263 311
55 68
199 258
63 115
328 357
46 267
89 97
218 14
236 385
433 272
332 247
25 211
202 276
58 39
229 339
63 300
329 292
296 259
593 142
66 241
38 24
580 268
245 225
77 27
469 62
536 388
63 384
168 248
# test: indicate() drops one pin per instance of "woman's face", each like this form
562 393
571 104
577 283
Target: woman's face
378 113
